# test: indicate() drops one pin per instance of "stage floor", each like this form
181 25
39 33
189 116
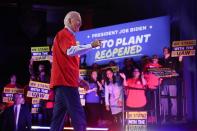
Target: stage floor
162 127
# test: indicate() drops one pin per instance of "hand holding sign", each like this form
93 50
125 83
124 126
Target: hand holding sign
31 61
180 58
96 43
51 59
183 48
40 53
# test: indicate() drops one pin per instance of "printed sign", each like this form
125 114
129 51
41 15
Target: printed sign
40 53
8 93
84 72
163 72
114 68
136 121
133 39
184 48
82 93
35 105
38 90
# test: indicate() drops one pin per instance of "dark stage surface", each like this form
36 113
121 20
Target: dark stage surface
181 126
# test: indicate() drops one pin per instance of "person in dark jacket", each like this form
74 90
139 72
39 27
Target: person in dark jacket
18 116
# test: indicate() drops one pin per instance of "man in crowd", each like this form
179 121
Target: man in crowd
18 116
171 86
13 84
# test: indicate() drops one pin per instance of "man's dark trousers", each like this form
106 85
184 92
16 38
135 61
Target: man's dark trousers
67 100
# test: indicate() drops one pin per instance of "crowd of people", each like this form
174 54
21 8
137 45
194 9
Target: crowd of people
137 88
107 89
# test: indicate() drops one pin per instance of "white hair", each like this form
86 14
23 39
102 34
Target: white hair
69 15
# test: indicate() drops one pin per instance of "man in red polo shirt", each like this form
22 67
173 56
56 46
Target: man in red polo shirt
65 74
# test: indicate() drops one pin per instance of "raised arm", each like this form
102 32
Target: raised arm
122 75
82 49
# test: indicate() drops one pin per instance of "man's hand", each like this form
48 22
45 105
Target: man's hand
96 43
51 59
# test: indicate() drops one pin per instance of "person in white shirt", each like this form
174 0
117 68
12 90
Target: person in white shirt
113 96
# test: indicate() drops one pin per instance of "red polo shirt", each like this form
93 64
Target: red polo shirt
152 81
65 69
135 98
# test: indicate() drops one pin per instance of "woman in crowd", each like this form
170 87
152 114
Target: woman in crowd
113 96
92 99
135 90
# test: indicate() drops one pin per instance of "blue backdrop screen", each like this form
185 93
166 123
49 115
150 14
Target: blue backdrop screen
133 39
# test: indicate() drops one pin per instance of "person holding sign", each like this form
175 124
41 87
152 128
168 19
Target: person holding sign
41 75
154 63
13 82
170 85
65 74
13 87
168 61
153 93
